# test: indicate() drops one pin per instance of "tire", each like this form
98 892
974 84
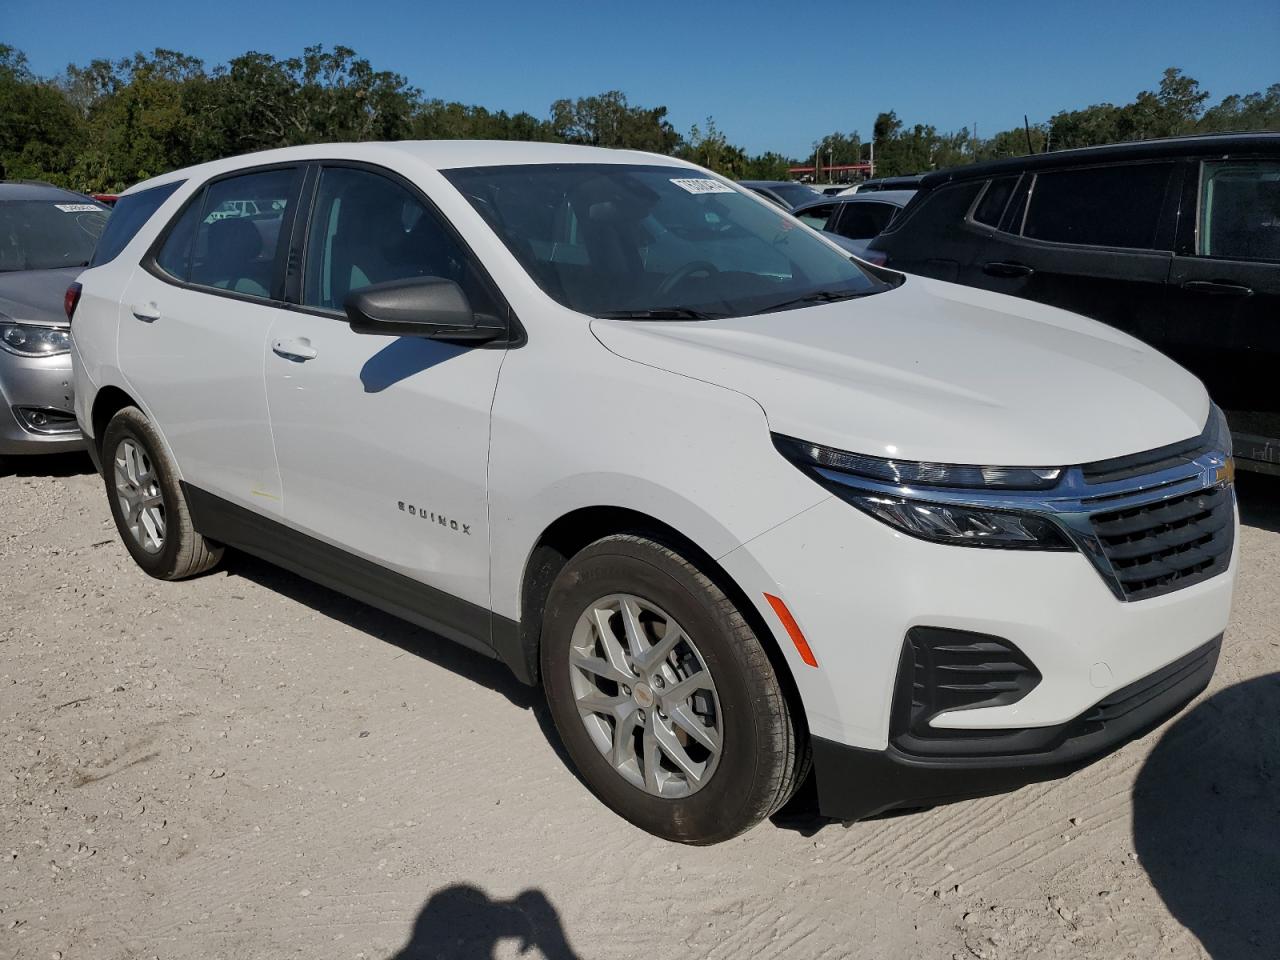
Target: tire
131 444
762 752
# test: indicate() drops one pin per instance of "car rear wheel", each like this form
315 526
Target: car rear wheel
147 502
666 700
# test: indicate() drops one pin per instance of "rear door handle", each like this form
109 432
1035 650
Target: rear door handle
297 350
1006 268
146 312
1218 288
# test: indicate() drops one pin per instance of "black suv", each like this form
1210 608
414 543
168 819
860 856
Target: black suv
1175 241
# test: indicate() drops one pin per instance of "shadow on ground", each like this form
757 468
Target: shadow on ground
46 465
1206 820
473 666
1259 497
462 923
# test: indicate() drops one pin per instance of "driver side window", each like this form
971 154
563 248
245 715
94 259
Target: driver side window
368 229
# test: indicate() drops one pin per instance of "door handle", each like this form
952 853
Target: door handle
298 350
1006 268
1218 288
146 312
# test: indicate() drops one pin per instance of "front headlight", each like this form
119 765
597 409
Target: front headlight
1217 432
897 492
960 525
32 340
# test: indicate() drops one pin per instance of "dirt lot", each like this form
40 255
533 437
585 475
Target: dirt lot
249 766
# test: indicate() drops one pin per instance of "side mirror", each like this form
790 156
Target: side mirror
420 307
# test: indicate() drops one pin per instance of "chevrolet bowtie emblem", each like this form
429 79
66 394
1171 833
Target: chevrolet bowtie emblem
1226 473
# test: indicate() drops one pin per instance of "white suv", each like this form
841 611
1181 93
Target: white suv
749 511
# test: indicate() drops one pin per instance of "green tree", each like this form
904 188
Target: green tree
608 120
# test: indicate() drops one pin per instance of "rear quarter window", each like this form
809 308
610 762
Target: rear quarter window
127 218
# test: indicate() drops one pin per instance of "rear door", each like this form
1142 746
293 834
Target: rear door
1094 240
1225 321
194 325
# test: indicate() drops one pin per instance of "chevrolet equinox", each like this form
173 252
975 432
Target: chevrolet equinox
748 510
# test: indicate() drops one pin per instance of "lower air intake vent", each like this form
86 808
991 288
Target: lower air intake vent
943 670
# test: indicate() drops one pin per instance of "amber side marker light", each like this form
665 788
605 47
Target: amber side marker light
793 629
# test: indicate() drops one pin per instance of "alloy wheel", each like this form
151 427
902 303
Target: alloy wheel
646 696
141 501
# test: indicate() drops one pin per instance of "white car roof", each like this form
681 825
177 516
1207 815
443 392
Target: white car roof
434 154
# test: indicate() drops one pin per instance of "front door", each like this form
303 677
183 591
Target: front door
383 441
1226 284
194 322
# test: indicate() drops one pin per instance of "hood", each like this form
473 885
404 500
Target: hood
939 372
36 295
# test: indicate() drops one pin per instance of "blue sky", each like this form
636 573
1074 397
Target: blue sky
774 76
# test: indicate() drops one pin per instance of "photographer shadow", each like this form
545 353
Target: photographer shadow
1206 820
461 922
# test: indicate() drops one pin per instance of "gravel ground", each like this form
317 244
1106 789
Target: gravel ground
250 766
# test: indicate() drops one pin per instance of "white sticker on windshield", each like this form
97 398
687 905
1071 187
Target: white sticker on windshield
702 185
77 207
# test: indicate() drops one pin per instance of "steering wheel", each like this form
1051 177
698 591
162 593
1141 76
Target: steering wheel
679 276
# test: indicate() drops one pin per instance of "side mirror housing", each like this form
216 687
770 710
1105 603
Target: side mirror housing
429 307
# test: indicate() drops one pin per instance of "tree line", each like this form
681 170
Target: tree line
110 123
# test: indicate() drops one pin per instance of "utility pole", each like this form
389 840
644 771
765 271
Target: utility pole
872 172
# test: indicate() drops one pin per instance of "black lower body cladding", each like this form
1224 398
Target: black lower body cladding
853 783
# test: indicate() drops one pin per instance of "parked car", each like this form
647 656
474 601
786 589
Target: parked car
787 194
1176 242
741 504
46 237
853 221
910 182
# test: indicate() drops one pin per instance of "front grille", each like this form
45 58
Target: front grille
1168 544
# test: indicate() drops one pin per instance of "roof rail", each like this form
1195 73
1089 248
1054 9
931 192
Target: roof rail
35 183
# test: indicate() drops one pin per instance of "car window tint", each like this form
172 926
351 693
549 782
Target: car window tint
174 256
126 219
994 199
862 220
235 236
816 217
1115 206
368 229
1240 210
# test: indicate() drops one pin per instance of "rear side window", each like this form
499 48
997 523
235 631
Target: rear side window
865 219
994 199
126 219
1100 206
1240 210
228 238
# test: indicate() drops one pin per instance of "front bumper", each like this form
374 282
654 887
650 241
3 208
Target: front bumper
36 383
854 783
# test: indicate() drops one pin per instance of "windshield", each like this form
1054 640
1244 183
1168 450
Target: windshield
42 234
655 242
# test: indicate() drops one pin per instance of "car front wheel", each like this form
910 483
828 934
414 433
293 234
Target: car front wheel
666 700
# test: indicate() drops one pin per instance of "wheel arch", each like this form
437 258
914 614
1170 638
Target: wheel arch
109 401
579 528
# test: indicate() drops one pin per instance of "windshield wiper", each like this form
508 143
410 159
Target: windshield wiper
663 313
818 296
